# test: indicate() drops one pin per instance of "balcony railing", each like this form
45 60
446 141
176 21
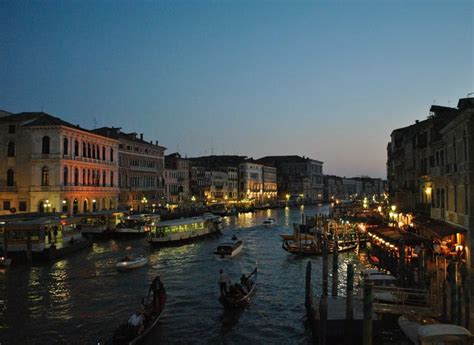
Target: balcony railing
8 189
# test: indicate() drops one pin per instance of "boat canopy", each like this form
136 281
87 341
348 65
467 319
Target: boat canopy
442 330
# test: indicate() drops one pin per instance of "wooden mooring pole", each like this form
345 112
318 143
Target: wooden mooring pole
335 267
453 293
323 319
28 246
325 268
445 301
460 300
350 292
308 295
368 304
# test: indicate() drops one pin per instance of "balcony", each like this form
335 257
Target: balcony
40 156
143 169
8 189
72 188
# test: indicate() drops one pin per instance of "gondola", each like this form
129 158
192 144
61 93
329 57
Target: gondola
312 248
240 300
128 335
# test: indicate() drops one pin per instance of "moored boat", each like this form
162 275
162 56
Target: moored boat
130 263
229 249
150 314
98 224
137 225
427 331
235 298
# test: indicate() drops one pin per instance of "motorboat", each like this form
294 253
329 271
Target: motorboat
229 249
130 263
427 331
269 222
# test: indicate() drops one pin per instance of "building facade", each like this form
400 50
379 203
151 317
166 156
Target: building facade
177 179
430 170
270 184
53 166
297 177
251 181
141 168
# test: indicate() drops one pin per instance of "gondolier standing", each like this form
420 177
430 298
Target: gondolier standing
223 279
158 293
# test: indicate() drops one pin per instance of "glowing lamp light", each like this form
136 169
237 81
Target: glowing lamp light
379 208
428 191
393 207
64 202
400 224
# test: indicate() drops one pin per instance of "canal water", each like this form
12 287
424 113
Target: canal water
83 298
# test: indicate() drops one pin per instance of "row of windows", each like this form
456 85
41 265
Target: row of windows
7 205
88 150
158 153
89 177
439 199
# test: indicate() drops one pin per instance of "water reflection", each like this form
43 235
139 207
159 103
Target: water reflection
83 299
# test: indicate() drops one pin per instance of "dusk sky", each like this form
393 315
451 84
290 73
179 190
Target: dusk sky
325 79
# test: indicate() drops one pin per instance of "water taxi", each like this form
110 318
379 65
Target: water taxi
229 249
137 224
183 230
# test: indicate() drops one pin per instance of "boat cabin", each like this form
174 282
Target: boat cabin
166 228
138 222
98 222
39 234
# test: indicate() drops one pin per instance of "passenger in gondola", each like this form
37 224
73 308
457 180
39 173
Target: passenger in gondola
244 280
136 322
234 238
223 280
239 290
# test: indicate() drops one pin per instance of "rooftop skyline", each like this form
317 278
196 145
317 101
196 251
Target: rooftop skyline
329 81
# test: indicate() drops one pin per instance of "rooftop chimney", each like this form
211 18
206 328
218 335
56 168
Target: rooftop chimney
156 142
141 136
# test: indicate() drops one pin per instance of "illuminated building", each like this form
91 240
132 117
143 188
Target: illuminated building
141 165
50 165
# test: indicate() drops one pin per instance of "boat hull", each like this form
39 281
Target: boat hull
183 237
130 265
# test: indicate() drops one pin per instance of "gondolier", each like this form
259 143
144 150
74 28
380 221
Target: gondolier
158 292
223 280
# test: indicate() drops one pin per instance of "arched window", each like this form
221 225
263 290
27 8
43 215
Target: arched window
76 148
11 149
65 146
66 176
45 145
98 152
84 149
111 154
93 151
45 176
111 179
76 177
84 177
103 153
103 178
89 150
88 177
10 178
